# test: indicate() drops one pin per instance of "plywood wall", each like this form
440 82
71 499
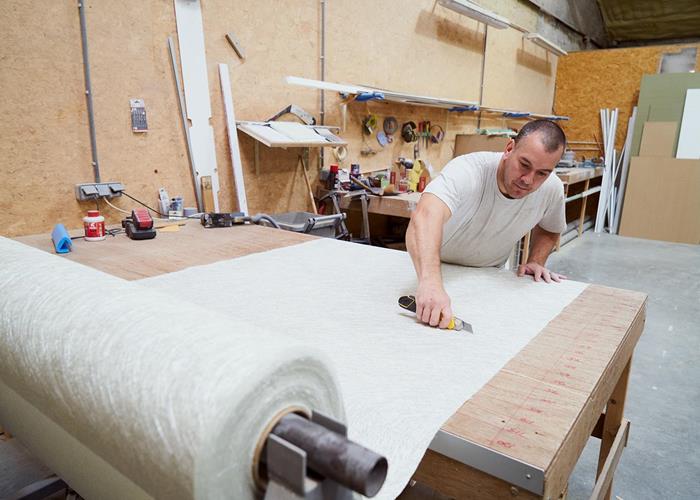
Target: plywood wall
415 46
591 80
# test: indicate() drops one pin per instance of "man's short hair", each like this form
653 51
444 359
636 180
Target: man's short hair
552 135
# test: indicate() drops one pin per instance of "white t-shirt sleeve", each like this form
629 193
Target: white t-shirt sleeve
453 183
554 218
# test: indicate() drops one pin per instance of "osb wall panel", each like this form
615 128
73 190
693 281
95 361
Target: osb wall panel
441 55
519 74
45 145
416 47
590 80
426 50
46 148
278 42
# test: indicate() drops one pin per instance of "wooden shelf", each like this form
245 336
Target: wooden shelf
291 134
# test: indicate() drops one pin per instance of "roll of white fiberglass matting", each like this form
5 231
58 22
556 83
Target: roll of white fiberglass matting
169 398
400 380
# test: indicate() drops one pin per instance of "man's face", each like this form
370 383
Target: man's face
526 166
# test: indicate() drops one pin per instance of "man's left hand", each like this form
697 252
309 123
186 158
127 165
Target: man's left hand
539 273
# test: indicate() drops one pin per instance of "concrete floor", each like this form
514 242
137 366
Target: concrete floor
662 459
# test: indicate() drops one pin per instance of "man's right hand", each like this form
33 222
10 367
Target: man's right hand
433 304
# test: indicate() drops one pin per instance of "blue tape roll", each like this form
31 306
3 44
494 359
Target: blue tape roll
61 241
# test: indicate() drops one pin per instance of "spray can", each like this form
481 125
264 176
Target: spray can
332 177
94 225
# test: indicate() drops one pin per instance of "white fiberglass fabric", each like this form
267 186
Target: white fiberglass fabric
399 380
171 395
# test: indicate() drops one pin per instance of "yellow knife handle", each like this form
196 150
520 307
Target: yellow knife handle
451 326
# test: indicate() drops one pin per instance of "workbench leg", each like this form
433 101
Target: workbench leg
614 412
583 208
566 193
526 248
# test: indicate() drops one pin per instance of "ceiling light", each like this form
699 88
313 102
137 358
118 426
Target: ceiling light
545 44
477 12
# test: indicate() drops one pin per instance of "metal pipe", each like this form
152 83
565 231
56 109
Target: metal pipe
334 456
88 90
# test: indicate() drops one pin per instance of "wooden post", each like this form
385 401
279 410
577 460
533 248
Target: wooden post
207 194
613 419
308 183
526 248
583 208
566 193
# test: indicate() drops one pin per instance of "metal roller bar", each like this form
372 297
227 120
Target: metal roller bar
333 455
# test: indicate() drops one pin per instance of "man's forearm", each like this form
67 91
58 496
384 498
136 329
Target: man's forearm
423 241
542 244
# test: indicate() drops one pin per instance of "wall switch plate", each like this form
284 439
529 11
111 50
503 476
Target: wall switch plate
95 190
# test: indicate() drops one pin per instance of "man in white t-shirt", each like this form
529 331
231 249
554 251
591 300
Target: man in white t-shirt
480 205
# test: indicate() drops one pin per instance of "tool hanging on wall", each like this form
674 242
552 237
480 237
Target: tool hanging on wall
383 139
385 136
295 110
390 126
340 153
408 132
369 124
438 136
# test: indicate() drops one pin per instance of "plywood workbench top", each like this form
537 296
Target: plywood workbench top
540 409
191 245
574 175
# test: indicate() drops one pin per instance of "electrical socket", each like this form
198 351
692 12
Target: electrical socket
94 190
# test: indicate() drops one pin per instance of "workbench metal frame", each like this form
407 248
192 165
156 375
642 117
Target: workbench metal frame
533 418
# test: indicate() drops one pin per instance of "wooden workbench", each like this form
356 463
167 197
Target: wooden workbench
401 205
523 432
404 204
575 175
